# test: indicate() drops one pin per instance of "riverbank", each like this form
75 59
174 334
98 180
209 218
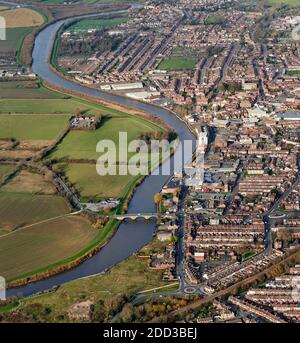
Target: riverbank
122 281
130 237
94 247
24 55
42 273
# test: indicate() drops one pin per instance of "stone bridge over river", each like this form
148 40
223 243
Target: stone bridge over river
133 216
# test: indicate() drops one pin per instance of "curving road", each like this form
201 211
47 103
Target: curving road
130 237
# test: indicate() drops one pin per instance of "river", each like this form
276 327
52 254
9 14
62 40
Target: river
130 237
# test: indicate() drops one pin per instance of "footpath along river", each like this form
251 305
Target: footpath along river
130 237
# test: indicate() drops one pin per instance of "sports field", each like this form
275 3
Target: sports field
88 24
22 17
32 127
177 63
82 144
91 185
38 246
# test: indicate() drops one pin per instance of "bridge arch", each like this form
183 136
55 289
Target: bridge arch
135 216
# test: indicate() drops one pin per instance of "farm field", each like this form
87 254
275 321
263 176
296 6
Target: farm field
21 209
26 90
82 144
91 185
41 106
32 127
41 245
177 63
5 169
28 182
87 24
16 154
14 39
56 106
22 17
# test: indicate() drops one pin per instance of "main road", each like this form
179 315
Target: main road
130 237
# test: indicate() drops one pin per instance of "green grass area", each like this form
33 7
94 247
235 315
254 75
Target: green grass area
248 255
18 210
26 90
82 144
14 39
295 3
177 63
41 106
88 24
32 127
40 245
60 105
91 185
128 277
156 246
293 72
214 20
5 169
9 307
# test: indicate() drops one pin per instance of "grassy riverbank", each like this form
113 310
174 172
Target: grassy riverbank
45 112
107 292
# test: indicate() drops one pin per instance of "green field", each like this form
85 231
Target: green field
5 169
26 90
248 255
14 39
214 20
41 106
17 210
40 245
285 2
32 127
57 106
177 63
82 144
90 184
88 24
293 72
